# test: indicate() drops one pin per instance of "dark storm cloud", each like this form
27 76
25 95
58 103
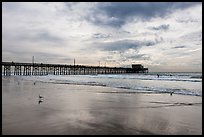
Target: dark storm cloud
118 12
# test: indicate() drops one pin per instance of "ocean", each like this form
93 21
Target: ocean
176 82
113 104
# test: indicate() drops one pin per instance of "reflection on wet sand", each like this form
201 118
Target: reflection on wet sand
77 109
40 101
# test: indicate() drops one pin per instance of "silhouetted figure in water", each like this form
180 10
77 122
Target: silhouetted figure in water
171 93
157 75
34 83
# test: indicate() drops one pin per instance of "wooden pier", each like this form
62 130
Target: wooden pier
26 69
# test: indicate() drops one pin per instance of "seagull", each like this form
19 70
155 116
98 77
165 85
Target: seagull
40 96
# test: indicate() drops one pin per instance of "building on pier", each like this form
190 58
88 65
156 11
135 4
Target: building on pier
138 68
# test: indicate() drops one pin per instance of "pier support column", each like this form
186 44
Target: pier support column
62 71
56 70
50 70
7 70
27 70
84 70
17 70
35 70
43 71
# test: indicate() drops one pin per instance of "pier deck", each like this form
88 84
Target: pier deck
15 68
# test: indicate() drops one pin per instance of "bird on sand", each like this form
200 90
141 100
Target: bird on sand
40 96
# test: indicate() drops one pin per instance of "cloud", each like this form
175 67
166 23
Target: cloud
41 36
161 27
101 35
124 45
187 20
151 33
139 57
117 14
179 47
46 36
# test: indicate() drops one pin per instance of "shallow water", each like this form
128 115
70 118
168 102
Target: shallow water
178 83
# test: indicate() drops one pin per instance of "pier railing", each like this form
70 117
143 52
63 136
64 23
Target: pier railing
15 68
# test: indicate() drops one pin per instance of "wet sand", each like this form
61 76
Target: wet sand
81 109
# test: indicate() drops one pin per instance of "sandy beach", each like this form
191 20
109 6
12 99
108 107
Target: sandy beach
83 109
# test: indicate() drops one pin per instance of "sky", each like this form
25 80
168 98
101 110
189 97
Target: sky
162 36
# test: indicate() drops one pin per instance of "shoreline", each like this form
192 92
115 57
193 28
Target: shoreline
87 110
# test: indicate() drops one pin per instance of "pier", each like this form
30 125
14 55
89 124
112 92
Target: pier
26 69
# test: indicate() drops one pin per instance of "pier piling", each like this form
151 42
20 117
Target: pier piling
58 69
